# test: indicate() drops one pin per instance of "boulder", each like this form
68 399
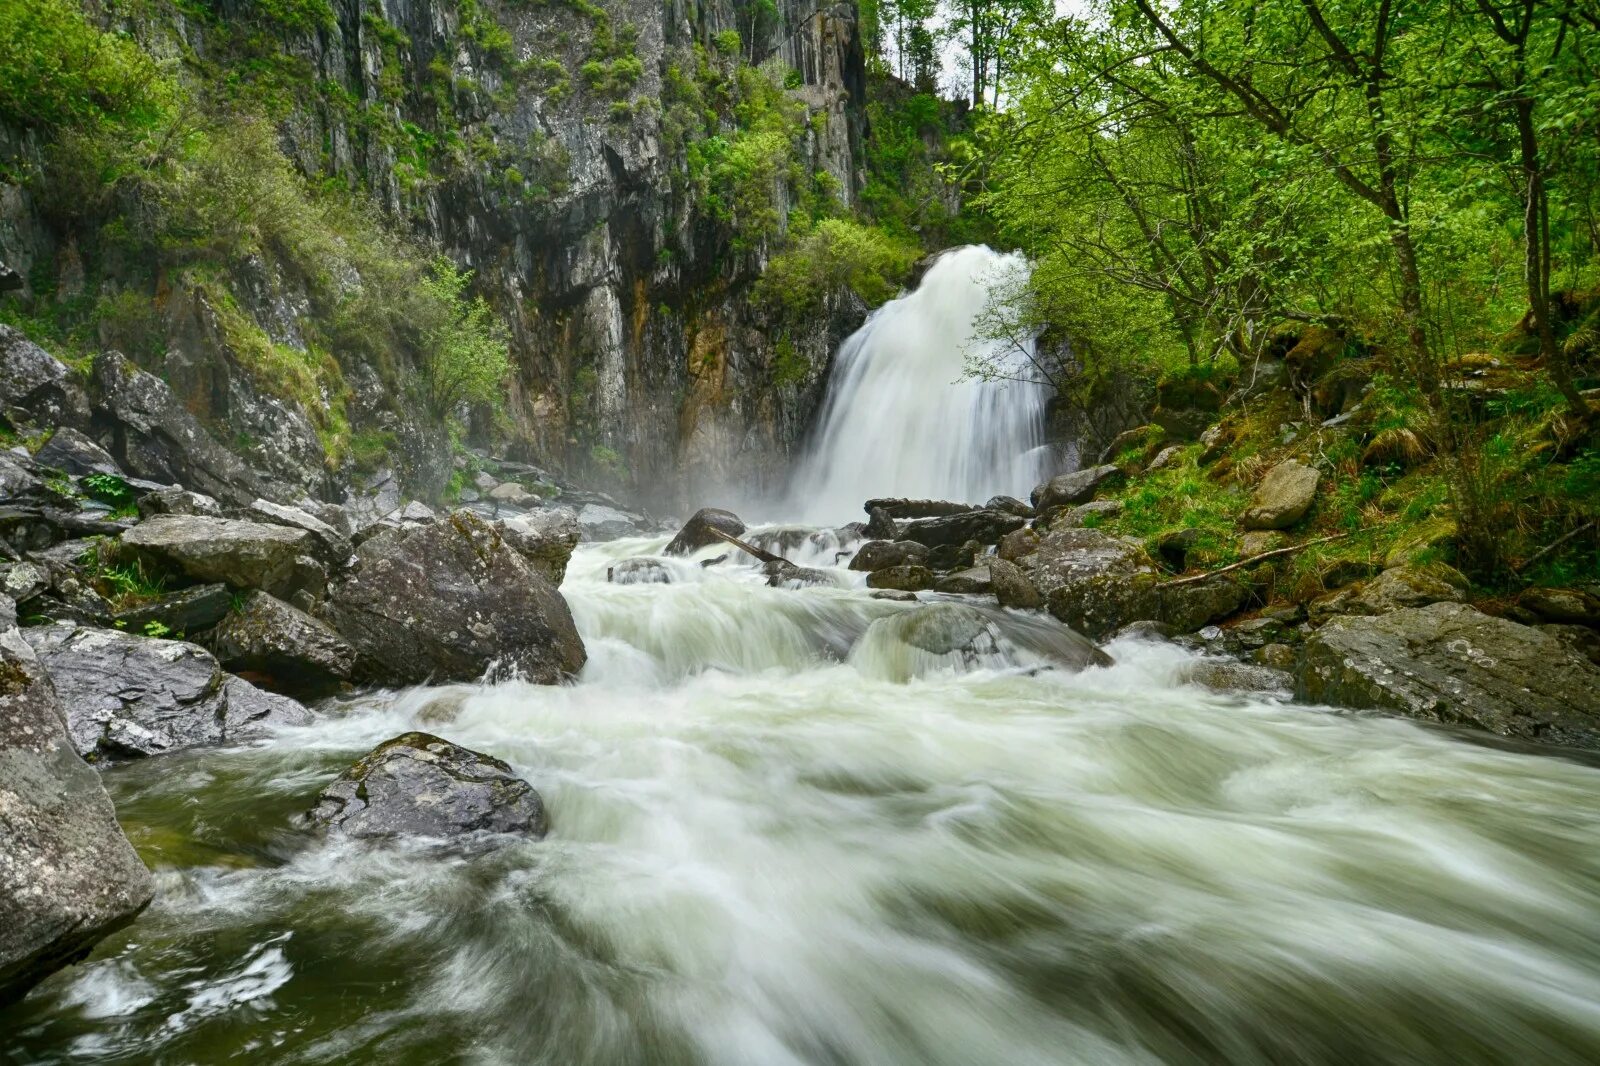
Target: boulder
1079 486
155 436
328 544
68 875
1011 586
36 387
897 507
178 501
186 611
1283 497
893 595
1188 606
1395 588
880 525
20 478
1450 663
639 570
1017 544
1226 675
597 522
273 558
1165 457
127 695
882 554
75 453
513 494
973 636
954 556
1173 547
1010 505
420 785
972 581
282 648
544 539
907 578
1571 606
985 527
698 531
446 601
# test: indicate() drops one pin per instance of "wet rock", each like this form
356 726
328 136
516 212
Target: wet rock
1011 586
1450 663
1395 588
282 648
972 581
1146 629
68 875
894 595
75 453
1226 675
420 785
597 522
1086 515
544 539
905 578
898 507
178 501
1283 657
1079 486
1574 606
974 637
23 581
1010 505
953 556
1017 544
882 554
1186 607
1283 497
513 494
1173 547
784 574
641 570
329 544
189 610
36 388
273 558
155 436
127 695
446 601
698 531
880 525
985 527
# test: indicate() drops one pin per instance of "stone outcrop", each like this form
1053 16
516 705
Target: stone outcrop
983 526
544 539
881 554
273 558
420 785
1450 663
1283 497
129 696
282 648
1079 486
702 528
37 388
909 577
68 876
448 600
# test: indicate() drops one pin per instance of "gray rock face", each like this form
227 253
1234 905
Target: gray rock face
134 696
697 532
1283 497
1011 586
186 611
985 527
1450 663
75 453
179 501
156 437
283 648
544 539
881 554
36 387
1395 588
447 600
421 785
974 580
68 876
1080 486
597 522
327 543
274 558
1226 675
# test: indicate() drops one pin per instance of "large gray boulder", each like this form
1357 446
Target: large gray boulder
882 554
1079 486
1283 497
75 453
702 528
36 387
985 527
421 785
156 437
1396 588
544 539
283 648
129 696
898 507
446 601
1448 662
327 543
597 522
68 876
257 555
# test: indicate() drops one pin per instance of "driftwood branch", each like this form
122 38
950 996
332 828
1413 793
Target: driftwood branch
1274 553
1552 546
750 549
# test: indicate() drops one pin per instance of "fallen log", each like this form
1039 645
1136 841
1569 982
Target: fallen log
1290 550
749 549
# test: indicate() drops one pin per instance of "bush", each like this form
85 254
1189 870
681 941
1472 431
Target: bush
56 69
838 253
465 356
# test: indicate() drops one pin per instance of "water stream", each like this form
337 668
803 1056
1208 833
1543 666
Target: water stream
779 836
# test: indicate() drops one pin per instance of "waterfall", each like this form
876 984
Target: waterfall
902 418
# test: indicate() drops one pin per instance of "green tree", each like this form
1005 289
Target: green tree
464 356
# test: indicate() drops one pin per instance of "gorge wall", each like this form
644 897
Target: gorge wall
566 153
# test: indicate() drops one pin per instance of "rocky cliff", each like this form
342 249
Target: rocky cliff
614 176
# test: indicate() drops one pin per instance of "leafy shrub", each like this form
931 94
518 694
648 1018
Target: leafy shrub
838 253
57 69
465 356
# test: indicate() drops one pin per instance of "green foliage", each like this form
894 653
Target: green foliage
109 488
156 630
57 69
465 357
837 253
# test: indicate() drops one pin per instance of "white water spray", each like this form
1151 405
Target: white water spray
902 419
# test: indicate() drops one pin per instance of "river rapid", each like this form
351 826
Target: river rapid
778 838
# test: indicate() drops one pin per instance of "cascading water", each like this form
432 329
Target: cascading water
902 416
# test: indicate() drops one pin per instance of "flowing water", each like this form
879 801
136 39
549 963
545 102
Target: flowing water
783 835
775 842
902 418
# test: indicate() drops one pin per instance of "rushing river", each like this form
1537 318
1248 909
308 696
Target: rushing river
770 848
